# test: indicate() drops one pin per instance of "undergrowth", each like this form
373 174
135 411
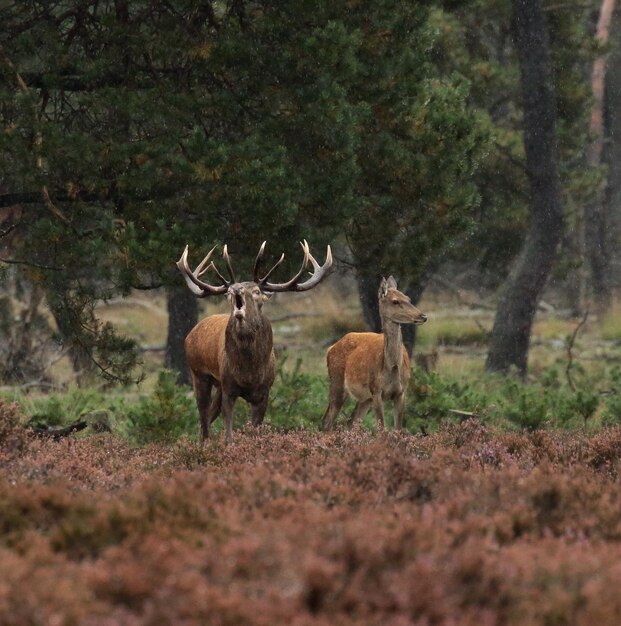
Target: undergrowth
467 525
298 400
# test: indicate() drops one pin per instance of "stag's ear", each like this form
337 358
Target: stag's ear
266 296
391 282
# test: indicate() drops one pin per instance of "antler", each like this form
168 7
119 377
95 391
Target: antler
197 286
319 272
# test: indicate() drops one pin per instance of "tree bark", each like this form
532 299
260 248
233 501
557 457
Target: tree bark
182 317
67 320
368 285
516 310
414 292
612 147
596 218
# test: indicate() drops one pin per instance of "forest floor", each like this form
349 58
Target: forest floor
465 526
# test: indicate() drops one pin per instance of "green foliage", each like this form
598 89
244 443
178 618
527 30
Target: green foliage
164 415
155 125
297 399
507 403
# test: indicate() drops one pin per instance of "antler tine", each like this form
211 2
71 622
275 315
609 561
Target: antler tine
201 269
255 271
264 279
212 266
319 273
197 286
227 258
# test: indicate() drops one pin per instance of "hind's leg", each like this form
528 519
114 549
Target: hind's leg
399 407
360 410
337 397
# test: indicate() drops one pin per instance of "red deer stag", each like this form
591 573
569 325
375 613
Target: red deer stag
235 352
373 366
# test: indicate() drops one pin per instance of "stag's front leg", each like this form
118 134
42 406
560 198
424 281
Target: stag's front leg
258 410
228 401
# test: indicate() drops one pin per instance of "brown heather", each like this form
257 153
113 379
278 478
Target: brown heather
463 527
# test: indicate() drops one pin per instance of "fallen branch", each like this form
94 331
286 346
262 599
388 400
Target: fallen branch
58 433
570 345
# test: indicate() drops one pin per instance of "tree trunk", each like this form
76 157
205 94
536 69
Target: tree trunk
368 286
182 317
516 310
68 320
414 292
612 147
595 219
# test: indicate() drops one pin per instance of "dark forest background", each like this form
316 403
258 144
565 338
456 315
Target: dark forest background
477 141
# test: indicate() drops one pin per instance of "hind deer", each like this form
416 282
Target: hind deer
234 353
372 367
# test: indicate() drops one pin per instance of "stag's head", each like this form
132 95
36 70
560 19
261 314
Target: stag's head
395 306
247 298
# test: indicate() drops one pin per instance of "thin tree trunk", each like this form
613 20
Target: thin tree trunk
414 292
516 310
612 147
182 317
596 219
65 317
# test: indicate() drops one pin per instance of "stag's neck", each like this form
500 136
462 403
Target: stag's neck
393 347
251 339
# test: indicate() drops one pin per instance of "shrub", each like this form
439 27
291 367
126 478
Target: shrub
164 415
296 399
13 435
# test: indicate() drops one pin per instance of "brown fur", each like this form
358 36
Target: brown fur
372 367
234 353
235 356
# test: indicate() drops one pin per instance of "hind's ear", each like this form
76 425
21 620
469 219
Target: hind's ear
385 285
383 288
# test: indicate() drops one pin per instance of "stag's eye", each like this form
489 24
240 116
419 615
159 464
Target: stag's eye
396 302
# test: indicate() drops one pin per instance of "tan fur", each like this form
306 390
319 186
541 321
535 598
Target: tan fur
371 367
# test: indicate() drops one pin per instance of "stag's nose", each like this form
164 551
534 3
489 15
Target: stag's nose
423 318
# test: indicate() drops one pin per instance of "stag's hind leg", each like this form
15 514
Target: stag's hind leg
202 391
216 404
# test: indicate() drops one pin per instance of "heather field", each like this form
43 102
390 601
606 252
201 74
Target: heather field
467 525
